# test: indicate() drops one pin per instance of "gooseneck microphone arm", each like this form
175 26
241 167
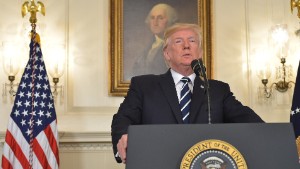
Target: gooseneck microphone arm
200 70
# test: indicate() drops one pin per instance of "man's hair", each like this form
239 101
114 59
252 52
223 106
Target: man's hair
181 26
170 12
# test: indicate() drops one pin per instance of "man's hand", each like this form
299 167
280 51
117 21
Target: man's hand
122 147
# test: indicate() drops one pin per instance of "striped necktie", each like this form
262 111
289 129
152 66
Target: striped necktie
185 99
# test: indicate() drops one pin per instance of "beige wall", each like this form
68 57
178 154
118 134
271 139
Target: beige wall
84 114
241 27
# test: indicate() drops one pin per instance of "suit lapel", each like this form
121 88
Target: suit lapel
198 98
169 90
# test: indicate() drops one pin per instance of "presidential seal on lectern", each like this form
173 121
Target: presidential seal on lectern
213 154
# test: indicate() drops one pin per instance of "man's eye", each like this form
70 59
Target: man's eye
178 41
192 40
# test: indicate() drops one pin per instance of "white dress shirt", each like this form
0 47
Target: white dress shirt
178 84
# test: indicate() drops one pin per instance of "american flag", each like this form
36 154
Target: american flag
32 137
295 111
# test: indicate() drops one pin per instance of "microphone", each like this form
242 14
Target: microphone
200 70
196 66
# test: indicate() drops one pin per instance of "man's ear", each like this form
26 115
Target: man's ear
166 55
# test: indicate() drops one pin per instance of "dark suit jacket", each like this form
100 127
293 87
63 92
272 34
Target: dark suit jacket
152 99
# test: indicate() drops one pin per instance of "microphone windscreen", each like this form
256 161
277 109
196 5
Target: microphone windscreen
195 64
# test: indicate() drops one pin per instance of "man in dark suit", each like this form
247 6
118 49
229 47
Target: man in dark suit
158 99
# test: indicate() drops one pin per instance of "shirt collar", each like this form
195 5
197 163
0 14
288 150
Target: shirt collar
177 77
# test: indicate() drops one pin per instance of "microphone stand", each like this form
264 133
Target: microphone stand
206 87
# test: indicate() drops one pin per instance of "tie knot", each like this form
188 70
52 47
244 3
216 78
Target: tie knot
185 80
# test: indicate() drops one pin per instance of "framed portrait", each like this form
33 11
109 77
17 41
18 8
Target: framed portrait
136 30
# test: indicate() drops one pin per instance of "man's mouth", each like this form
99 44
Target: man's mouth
187 54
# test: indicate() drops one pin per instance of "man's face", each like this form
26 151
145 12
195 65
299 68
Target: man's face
158 21
183 47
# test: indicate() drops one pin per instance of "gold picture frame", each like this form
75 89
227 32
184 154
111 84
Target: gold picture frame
123 18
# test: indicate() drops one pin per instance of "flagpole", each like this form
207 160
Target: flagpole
32 8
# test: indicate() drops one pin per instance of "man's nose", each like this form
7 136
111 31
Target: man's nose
186 45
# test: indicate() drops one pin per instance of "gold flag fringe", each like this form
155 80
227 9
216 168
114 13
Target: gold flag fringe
298 146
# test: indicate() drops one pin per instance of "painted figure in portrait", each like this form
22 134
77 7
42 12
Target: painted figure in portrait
152 61
143 52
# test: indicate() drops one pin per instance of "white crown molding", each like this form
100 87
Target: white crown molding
85 137
85 147
78 137
80 147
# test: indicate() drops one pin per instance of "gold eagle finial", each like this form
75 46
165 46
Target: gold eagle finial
33 9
